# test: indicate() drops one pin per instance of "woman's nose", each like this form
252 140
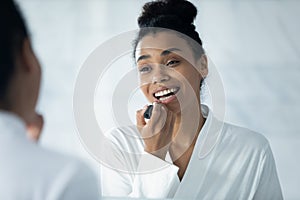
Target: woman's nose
160 76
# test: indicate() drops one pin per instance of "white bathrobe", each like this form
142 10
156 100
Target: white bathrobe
228 162
30 172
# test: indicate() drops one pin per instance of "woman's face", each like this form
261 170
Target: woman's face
168 70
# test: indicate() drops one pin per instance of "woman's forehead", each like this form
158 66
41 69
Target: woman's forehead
162 41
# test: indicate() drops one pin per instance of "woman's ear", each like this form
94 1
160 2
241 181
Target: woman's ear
28 58
203 66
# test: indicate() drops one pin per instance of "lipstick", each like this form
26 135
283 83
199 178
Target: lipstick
148 112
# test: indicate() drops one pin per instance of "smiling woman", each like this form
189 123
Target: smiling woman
238 163
168 69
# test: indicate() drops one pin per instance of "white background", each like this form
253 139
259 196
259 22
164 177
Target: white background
254 44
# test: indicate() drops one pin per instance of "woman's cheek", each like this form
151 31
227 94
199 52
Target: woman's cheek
145 89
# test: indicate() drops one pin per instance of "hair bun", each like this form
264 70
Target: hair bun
181 9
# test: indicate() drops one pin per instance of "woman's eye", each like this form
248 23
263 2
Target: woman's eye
172 63
145 69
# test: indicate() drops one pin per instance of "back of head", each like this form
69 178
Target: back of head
177 15
12 35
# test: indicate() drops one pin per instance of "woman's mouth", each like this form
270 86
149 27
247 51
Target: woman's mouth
166 95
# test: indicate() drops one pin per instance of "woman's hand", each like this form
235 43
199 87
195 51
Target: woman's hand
157 133
35 126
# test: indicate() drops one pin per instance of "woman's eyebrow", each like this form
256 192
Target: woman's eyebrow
168 51
164 53
143 57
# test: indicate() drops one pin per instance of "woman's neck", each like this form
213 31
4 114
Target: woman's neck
187 127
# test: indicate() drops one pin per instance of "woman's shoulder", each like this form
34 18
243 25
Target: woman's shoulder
244 137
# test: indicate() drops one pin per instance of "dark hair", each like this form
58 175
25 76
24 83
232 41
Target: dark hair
177 15
12 35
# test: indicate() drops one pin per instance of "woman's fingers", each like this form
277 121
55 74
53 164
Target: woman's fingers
158 118
157 132
140 121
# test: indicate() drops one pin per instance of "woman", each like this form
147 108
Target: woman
27 170
184 151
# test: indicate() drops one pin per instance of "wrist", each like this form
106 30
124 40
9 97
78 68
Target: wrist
160 153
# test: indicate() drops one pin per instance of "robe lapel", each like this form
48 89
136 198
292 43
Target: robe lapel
194 177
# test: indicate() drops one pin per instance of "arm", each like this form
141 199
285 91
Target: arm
153 178
269 186
156 179
141 175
